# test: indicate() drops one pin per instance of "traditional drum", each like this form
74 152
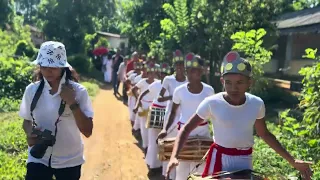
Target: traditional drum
194 149
143 113
156 117
242 174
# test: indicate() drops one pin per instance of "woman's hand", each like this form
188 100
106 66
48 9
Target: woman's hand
68 94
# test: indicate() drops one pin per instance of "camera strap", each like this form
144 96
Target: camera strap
34 104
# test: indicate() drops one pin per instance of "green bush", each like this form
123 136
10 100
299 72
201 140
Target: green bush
80 62
13 147
9 105
15 75
23 48
92 88
13 140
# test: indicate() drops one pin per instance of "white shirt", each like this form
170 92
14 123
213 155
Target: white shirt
121 72
68 149
188 102
137 79
170 83
232 125
143 85
154 90
131 77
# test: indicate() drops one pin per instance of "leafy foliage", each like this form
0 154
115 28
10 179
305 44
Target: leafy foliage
13 147
251 45
301 135
15 76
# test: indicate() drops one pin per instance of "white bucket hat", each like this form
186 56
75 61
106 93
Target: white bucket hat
52 54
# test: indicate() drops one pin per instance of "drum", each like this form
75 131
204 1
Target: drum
156 117
242 174
143 113
194 149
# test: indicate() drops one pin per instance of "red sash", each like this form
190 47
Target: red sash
222 150
157 106
181 123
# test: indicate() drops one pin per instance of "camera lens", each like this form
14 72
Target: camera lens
38 150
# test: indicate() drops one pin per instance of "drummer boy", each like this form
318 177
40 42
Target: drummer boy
187 97
234 114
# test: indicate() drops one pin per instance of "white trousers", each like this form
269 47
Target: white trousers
131 105
108 76
184 169
232 163
143 131
172 132
152 155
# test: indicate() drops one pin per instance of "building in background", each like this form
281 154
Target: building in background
116 40
37 36
298 31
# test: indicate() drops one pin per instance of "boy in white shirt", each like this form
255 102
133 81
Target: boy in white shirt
154 89
130 83
145 102
169 84
237 113
188 96
136 92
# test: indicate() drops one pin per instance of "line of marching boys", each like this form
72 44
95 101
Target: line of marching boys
189 104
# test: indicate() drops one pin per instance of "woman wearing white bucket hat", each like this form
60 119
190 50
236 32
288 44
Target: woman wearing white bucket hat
55 110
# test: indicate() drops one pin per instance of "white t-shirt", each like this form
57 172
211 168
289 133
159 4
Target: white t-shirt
137 79
188 102
68 149
154 90
147 99
170 84
233 125
122 72
132 77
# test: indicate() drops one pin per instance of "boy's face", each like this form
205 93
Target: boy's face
236 85
194 74
179 68
151 75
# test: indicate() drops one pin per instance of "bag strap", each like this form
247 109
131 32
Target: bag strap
37 96
35 100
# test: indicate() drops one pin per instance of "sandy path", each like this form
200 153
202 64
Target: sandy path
112 152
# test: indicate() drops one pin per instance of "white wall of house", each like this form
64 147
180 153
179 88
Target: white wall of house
116 41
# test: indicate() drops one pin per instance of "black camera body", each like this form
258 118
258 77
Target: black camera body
44 140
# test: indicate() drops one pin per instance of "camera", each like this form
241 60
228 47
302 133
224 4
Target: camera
44 140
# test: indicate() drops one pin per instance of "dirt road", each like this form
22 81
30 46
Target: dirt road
112 152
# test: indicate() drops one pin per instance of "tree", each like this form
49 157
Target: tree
69 21
7 13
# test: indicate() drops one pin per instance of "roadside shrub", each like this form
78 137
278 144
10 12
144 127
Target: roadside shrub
15 75
80 62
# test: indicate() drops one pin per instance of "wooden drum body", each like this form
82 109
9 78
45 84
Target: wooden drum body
194 149
155 117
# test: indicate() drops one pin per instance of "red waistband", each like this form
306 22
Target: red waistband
146 101
181 123
158 106
218 160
